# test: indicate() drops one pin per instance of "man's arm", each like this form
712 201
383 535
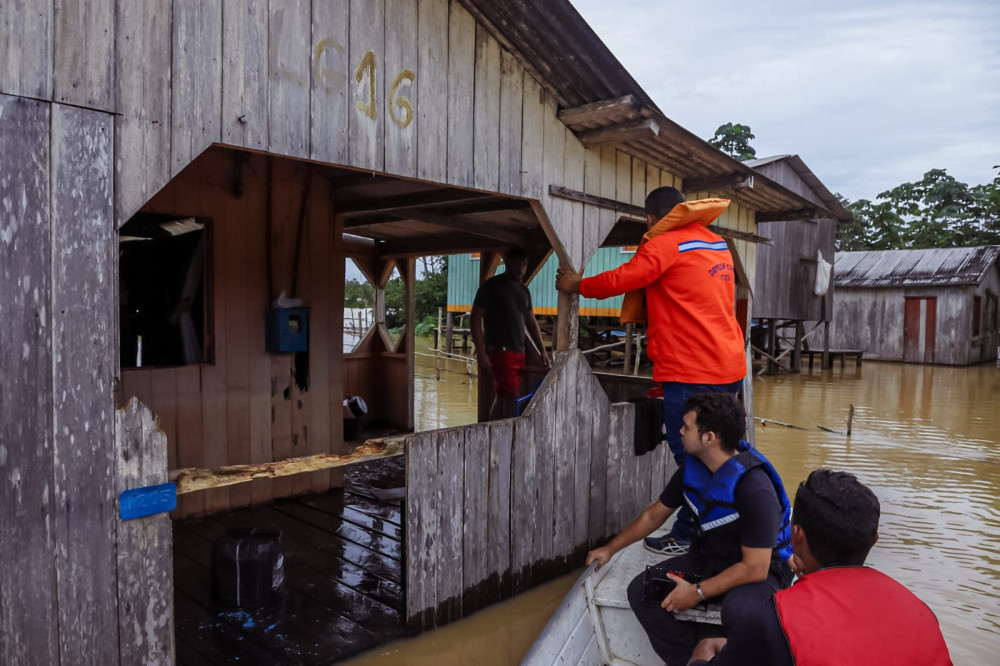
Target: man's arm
751 569
642 270
479 338
655 515
536 335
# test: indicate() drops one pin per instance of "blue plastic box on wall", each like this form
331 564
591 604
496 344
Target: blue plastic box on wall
286 330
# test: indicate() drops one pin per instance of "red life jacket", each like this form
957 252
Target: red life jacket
861 617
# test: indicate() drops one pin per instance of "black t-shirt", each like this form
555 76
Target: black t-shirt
507 302
756 501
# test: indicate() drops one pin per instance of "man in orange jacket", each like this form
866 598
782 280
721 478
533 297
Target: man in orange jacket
693 338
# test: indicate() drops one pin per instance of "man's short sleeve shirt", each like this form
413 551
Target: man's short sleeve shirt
507 302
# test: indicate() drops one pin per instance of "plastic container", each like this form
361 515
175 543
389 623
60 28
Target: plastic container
248 568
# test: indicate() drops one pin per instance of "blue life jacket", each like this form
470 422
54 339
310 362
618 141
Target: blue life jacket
712 498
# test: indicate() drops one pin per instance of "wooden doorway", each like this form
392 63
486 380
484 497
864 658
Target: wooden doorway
919 329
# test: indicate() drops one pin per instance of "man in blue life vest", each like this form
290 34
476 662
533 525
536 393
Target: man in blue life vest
838 612
741 544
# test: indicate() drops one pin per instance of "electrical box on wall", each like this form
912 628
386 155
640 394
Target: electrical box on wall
286 330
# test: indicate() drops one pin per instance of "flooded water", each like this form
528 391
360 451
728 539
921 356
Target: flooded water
926 439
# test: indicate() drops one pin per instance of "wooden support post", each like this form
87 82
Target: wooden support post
437 333
772 346
449 331
827 361
797 350
629 335
850 420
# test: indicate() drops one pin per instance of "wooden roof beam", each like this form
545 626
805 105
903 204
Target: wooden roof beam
640 213
644 129
715 183
419 247
465 226
435 197
600 112
788 216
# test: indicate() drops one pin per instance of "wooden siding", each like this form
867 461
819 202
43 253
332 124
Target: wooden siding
785 282
495 508
247 406
873 320
57 269
408 87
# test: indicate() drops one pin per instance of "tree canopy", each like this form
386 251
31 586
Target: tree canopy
936 211
734 140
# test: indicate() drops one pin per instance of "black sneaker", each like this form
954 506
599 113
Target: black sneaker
665 545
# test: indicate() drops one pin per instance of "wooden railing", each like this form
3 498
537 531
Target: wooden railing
496 508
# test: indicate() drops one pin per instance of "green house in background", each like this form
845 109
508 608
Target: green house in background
463 281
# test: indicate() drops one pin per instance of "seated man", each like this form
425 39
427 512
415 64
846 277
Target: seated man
839 612
740 545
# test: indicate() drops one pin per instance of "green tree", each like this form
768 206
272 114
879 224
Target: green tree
431 293
734 140
936 211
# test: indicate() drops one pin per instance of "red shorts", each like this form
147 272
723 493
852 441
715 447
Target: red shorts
506 369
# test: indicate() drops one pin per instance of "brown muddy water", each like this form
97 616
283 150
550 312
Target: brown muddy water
926 439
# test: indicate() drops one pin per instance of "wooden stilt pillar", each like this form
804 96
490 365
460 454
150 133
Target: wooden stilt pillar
827 361
449 333
797 350
772 346
629 334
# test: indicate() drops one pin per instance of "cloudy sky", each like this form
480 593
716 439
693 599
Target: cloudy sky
869 93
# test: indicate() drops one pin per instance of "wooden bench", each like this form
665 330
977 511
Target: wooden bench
842 354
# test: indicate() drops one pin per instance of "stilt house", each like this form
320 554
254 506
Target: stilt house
170 167
789 313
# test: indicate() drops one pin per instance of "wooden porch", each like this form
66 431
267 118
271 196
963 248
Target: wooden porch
343 564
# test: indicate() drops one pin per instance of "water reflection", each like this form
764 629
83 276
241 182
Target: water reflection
926 439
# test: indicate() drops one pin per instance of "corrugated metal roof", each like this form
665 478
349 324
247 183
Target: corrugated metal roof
937 267
568 59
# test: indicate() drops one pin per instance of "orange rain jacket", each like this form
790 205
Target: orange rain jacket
690 287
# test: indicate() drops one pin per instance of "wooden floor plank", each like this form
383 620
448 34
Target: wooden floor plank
374 541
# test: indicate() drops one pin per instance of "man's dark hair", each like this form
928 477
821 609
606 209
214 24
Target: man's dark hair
515 253
662 200
839 515
720 413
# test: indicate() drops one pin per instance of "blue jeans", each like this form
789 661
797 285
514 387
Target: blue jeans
675 394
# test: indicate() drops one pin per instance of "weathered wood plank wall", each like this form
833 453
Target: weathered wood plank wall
145 585
83 297
786 279
409 87
247 406
57 361
28 612
496 508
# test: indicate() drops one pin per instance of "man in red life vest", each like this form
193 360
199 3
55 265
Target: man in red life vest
839 612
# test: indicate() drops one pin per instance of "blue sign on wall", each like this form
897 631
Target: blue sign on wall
141 502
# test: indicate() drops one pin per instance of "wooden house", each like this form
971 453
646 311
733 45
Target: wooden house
919 306
226 152
785 299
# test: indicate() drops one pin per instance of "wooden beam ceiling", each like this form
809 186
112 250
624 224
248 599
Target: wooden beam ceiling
435 197
715 183
634 130
471 227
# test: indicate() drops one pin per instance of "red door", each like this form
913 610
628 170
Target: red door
919 329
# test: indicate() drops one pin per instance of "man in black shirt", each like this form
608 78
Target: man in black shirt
501 316
742 527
